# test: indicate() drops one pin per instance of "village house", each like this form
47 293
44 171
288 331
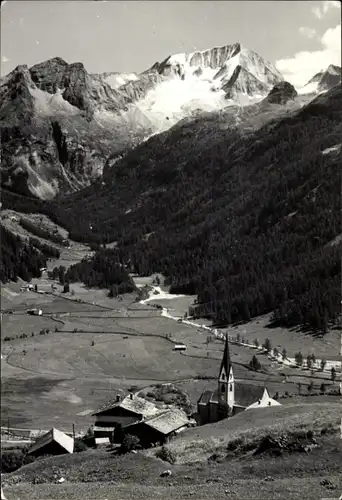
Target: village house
121 412
230 397
54 442
137 416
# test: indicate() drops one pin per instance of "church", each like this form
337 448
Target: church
230 397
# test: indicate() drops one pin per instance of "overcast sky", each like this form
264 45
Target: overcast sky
300 37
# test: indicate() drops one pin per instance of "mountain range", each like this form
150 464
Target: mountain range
62 128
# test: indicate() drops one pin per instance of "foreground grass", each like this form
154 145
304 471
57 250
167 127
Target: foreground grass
296 489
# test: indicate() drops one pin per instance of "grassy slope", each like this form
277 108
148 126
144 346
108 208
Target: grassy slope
294 476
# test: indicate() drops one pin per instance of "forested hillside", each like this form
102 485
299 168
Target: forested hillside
243 219
19 259
102 270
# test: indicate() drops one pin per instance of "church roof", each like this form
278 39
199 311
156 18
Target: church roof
226 362
245 395
205 397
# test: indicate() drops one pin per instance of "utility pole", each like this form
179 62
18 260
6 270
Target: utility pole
73 430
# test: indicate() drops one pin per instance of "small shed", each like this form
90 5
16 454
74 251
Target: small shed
102 442
35 312
54 442
180 347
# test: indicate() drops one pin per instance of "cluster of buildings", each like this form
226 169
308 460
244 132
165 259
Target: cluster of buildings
155 426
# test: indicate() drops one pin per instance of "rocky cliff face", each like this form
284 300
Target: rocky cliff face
58 126
282 93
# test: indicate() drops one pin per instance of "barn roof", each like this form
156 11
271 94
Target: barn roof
54 435
167 421
139 406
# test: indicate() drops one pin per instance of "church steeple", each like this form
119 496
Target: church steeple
226 383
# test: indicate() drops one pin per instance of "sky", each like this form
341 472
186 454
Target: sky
299 37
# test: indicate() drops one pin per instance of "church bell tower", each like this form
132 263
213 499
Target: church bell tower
226 384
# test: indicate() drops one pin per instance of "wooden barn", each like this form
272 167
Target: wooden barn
159 428
121 413
54 442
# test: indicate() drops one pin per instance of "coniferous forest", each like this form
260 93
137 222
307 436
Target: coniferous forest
247 220
102 270
19 259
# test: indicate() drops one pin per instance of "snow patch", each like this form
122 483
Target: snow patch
336 148
47 104
158 294
116 80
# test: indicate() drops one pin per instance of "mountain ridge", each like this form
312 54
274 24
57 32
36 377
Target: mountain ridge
98 123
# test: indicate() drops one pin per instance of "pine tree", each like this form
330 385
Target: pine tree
255 364
299 358
308 361
267 345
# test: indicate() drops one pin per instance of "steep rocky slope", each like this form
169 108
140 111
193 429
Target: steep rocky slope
324 80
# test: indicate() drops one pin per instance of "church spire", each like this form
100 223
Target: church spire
226 384
226 361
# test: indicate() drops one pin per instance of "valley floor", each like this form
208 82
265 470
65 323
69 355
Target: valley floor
96 347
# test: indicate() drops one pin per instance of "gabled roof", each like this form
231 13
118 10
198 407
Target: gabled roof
167 421
57 436
247 394
226 361
264 401
139 406
205 397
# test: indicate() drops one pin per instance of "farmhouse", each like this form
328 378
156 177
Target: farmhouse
139 417
53 442
230 397
128 411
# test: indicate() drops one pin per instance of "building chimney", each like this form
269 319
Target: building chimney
118 397
131 395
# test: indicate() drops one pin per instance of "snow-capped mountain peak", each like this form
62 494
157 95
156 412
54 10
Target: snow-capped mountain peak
323 80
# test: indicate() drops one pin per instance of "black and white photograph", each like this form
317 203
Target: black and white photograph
170 232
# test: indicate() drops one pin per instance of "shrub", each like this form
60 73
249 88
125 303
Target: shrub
129 443
166 455
13 460
80 445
